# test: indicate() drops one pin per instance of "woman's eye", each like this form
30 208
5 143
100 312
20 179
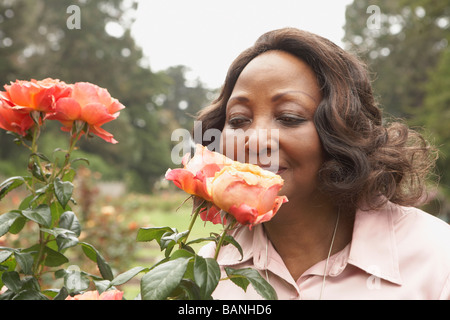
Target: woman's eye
290 120
238 122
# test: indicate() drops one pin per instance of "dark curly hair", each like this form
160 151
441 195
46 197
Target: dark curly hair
368 162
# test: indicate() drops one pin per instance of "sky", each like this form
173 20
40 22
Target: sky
207 35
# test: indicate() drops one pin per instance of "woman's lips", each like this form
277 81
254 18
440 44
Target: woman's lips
275 169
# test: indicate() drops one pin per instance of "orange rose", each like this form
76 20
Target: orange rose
13 120
27 96
192 178
90 104
247 192
93 295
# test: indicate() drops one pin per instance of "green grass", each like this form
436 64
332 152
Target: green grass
158 211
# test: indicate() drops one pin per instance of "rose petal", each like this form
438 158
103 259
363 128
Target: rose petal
111 295
66 109
244 214
212 213
185 180
96 114
105 135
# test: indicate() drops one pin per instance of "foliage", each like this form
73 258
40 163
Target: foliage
436 114
49 207
407 50
183 274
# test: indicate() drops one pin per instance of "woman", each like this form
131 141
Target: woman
349 230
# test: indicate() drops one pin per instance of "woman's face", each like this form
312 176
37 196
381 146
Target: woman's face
269 121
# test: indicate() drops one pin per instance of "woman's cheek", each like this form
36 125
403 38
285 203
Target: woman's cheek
232 144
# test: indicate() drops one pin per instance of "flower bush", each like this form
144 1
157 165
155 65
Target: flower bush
219 186
25 107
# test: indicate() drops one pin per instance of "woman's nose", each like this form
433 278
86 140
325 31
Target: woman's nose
258 140
257 145
262 145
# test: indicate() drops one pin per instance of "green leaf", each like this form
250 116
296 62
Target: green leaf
41 155
186 290
6 266
36 170
26 202
183 253
65 240
12 281
105 269
170 239
10 184
57 210
18 225
63 191
89 251
237 279
62 294
56 294
150 234
69 175
76 281
102 285
242 277
30 295
159 282
69 221
94 255
207 275
41 215
4 255
25 261
7 220
30 283
53 258
199 240
231 240
127 276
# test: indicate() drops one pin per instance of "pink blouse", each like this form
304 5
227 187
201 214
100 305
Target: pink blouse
395 253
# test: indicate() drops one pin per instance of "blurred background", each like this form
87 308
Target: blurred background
165 60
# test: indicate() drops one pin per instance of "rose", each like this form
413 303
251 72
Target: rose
203 165
93 295
88 104
247 192
28 96
13 120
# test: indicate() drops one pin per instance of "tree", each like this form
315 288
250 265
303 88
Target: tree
184 98
41 39
436 114
400 49
406 45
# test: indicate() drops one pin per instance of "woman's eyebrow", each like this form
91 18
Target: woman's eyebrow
278 96
241 99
